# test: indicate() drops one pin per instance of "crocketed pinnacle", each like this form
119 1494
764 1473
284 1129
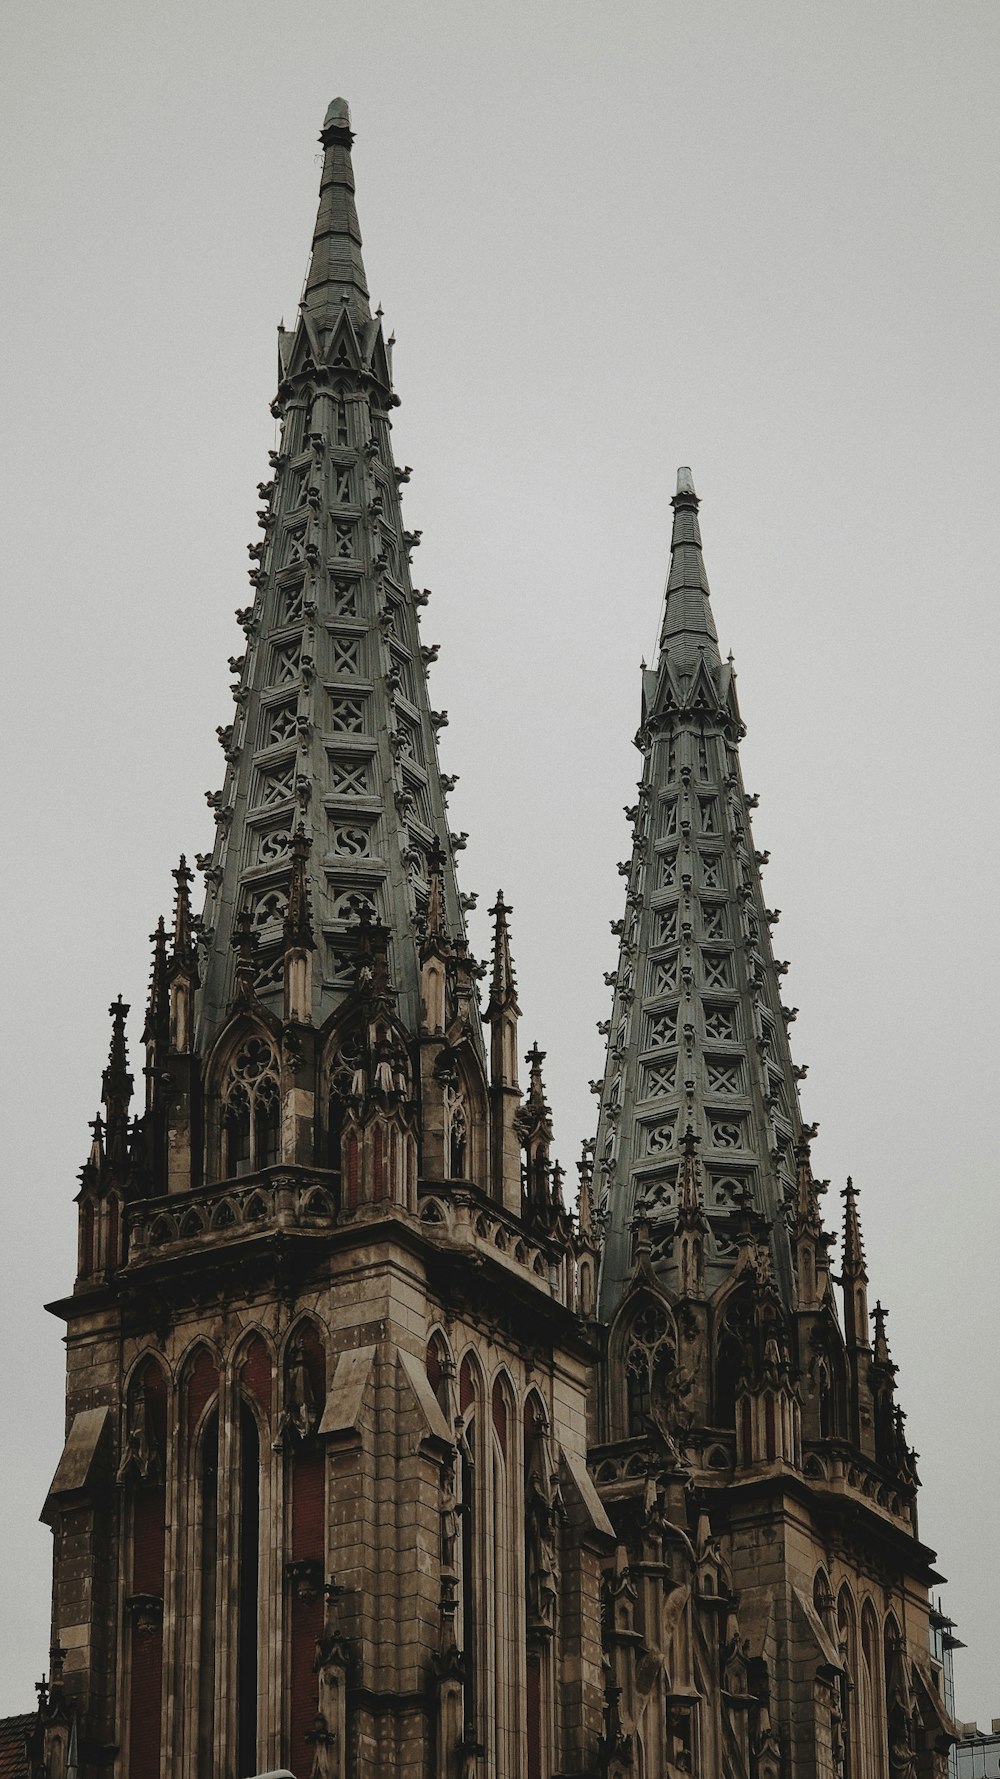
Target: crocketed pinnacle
853 1248
697 1036
336 270
503 988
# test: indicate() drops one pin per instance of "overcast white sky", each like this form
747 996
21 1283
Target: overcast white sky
759 239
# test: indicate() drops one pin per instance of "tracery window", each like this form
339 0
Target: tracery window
250 1110
458 1133
648 1340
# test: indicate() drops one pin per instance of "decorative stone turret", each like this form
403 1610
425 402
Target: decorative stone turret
503 1014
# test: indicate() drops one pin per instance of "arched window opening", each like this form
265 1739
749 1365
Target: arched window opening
847 1640
208 1551
727 1376
471 1580
770 1438
458 1133
334 1132
827 1426
305 1395
237 1127
250 1116
504 1693
266 1121
345 1067
639 1394
113 1258
88 1224
440 1370
871 1701
143 1471
249 1591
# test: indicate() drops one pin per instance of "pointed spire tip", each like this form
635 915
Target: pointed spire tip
338 116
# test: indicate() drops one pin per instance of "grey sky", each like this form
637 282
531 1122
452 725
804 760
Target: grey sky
761 240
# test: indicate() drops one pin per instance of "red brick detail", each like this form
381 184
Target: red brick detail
534 1715
307 1623
308 1479
308 1540
202 1383
144 1714
148 1542
257 1373
350 1170
499 1409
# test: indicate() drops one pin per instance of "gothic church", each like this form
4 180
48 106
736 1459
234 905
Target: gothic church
381 1459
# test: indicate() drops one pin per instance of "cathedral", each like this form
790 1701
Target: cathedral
386 1453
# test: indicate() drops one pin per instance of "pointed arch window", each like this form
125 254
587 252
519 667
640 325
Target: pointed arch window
541 1509
474 1566
458 1133
848 1641
648 1343
871 1698
343 1081
208 1556
250 1120
248 1560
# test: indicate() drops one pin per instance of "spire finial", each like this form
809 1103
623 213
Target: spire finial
183 948
585 1169
853 1251
298 926
435 930
685 485
158 1001
880 1344
503 987
116 1087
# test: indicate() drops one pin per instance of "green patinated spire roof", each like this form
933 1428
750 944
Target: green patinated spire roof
688 630
333 794
336 269
697 1038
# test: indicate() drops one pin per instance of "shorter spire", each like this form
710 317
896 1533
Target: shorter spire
880 1344
503 986
585 1169
116 1088
157 1023
534 1127
853 1252
183 951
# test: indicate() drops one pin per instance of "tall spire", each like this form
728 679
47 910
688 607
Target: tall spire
332 752
336 269
697 1035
